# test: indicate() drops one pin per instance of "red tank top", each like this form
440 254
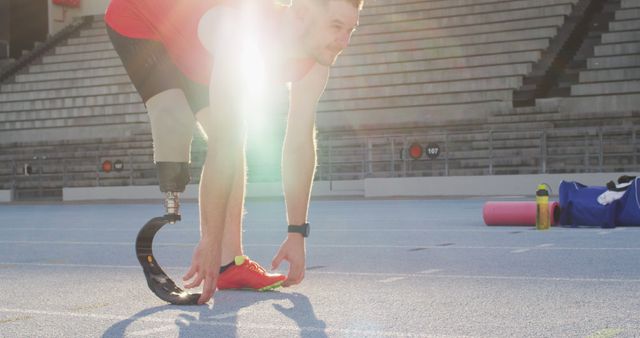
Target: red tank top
174 23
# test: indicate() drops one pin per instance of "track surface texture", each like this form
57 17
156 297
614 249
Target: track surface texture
375 268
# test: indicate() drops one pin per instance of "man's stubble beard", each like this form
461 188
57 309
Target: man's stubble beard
317 52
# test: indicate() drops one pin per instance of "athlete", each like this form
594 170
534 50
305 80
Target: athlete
203 62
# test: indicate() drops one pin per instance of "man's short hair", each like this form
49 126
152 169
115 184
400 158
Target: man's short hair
356 3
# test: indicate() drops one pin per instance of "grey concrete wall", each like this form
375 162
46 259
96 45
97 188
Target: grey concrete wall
320 189
503 185
457 186
5 196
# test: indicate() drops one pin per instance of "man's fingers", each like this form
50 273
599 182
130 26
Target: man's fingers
275 264
209 288
190 273
290 282
296 273
195 282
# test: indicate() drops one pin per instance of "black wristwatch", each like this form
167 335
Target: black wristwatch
300 229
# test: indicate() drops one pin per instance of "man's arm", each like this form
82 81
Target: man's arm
298 165
223 122
299 152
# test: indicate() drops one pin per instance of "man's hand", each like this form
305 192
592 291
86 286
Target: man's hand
205 267
293 251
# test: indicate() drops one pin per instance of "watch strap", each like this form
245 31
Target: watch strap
300 229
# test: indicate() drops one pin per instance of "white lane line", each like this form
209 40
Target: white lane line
346 246
391 279
266 327
230 314
527 278
604 232
195 230
65 243
430 271
606 333
66 265
154 331
541 246
14 319
371 274
225 315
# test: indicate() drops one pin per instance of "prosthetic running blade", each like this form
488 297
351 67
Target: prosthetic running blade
157 279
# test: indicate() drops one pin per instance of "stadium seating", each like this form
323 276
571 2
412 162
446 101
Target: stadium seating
75 91
433 72
414 64
611 81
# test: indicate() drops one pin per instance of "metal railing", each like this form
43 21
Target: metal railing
489 152
484 152
47 174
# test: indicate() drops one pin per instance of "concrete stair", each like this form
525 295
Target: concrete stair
611 80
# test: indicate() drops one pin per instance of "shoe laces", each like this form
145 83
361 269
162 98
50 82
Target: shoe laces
253 266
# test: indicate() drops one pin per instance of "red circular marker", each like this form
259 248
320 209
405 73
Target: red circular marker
107 166
415 151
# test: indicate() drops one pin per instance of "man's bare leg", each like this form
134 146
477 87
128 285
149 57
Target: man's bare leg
225 149
232 235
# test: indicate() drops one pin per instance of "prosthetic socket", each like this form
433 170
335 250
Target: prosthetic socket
173 177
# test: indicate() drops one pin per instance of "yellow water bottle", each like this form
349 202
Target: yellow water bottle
543 220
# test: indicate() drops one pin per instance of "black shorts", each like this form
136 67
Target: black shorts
152 71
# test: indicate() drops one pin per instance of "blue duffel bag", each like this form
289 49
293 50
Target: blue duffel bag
628 210
580 206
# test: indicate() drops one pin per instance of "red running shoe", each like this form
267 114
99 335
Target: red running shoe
248 275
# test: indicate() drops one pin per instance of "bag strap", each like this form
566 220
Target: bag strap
626 180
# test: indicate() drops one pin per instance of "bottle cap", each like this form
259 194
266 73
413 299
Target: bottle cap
543 189
542 193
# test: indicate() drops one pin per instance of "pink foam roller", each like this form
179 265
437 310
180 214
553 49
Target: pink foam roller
516 213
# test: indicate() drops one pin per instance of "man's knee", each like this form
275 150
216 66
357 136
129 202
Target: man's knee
221 130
